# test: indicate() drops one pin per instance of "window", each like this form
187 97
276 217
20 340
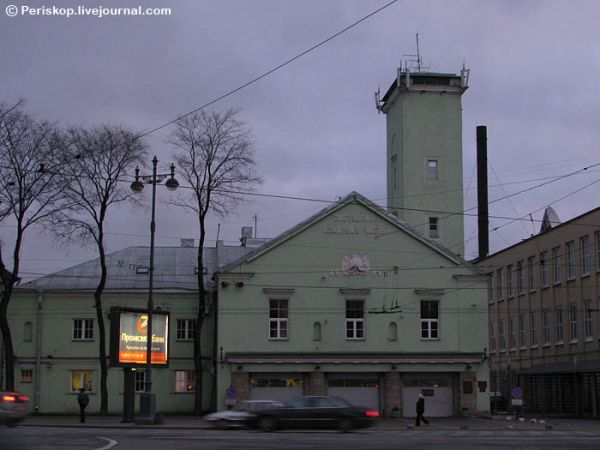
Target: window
520 277
523 330
355 313
573 321
531 270
544 268
570 260
502 335
186 329
587 319
533 321
185 381
558 325
26 375
510 279
434 231
546 324
500 284
83 329
584 249
429 319
81 379
317 331
140 380
492 337
278 319
556 264
432 170
27 332
511 333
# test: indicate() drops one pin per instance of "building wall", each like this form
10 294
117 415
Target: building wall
306 269
580 291
424 124
60 354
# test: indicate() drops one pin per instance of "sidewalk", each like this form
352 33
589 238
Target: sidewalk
447 423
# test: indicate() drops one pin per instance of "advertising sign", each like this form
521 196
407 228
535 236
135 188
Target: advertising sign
129 337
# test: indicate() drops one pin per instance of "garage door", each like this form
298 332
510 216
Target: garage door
437 390
355 389
280 387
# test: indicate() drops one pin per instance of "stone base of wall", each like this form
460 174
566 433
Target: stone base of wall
392 393
317 384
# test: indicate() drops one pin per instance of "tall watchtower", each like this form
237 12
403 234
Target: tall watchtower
424 153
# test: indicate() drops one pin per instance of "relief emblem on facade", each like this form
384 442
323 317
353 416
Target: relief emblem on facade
355 264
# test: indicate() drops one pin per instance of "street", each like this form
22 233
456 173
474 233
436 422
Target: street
41 438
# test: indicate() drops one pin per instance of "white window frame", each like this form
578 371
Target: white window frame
533 328
433 228
588 324
523 330
182 381
584 250
521 277
558 326
531 267
502 335
570 255
500 284
546 329
545 281
556 272
432 171
510 281
278 319
185 329
430 325
573 329
83 330
355 326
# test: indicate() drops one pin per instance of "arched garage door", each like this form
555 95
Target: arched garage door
357 389
276 386
437 389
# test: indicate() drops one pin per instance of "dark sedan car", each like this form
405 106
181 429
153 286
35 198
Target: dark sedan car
314 412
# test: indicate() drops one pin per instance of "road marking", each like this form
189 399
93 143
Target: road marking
111 443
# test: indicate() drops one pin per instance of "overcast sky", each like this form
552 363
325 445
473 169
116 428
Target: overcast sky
534 68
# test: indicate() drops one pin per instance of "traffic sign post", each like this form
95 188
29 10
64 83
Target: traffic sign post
516 395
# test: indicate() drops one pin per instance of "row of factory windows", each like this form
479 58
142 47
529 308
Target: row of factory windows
510 280
579 322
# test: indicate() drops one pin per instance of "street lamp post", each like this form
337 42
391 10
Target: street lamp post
147 398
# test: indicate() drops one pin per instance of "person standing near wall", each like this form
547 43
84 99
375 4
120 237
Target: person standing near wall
421 411
83 399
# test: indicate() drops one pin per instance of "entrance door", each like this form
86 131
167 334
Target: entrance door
437 390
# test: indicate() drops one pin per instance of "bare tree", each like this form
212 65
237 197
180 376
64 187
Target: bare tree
100 157
29 189
214 154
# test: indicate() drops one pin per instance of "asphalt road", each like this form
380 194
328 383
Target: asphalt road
46 438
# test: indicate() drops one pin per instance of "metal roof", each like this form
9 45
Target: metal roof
175 269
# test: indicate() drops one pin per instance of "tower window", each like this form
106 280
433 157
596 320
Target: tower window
432 170
434 229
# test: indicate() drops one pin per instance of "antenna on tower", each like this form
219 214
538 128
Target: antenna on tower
415 61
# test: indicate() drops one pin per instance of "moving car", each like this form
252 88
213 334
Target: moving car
237 416
314 412
13 407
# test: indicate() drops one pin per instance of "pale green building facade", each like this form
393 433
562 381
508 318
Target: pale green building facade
354 302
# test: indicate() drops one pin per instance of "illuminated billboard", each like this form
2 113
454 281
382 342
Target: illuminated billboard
129 337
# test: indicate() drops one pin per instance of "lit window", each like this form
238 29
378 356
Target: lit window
434 230
429 319
278 319
185 381
83 329
186 329
26 375
81 379
355 313
432 170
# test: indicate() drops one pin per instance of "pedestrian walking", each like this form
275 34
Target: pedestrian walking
421 411
83 399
